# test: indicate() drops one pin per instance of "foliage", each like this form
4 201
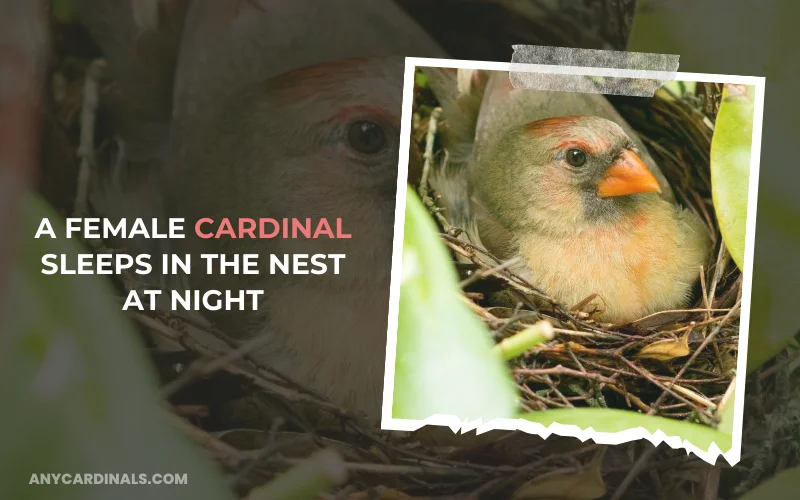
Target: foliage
730 165
445 363
63 10
78 394
782 485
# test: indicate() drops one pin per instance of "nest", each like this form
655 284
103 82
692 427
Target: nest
676 364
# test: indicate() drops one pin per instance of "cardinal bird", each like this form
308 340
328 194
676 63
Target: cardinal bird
559 180
249 108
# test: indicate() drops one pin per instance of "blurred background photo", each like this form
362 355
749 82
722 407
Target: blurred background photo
253 108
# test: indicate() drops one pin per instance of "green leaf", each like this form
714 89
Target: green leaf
762 344
611 420
782 485
321 472
79 395
420 79
445 363
730 166
63 10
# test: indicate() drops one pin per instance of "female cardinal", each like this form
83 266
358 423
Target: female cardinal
255 108
561 181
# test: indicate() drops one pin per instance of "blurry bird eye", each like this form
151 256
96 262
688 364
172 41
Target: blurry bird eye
366 137
576 157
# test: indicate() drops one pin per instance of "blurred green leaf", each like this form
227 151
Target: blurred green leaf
78 393
63 10
420 79
611 420
445 363
585 483
782 485
730 165
320 472
760 347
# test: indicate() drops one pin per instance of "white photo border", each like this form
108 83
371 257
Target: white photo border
710 455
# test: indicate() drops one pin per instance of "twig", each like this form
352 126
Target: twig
697 398
267 450
657 377
525 470
86 147
778 365
426 169
722 261
544 401
226 454
235 344
574 358
484 273
200 370
634 472
699 309
599 335
233 459
491 319
649 376
704 290
554 388
258 380
563 370
711 489
521 342
194 411
631 398
692 358
427 156
371 468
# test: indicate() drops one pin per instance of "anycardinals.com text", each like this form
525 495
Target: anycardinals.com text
108 478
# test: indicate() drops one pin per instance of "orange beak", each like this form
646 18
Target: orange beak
628 175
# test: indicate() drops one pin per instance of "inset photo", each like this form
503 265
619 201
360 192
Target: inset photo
574 263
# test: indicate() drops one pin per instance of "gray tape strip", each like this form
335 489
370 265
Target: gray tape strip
591 71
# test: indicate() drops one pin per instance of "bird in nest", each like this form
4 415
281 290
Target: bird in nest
559 181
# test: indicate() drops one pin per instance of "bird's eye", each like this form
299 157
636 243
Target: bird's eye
366 137
576 157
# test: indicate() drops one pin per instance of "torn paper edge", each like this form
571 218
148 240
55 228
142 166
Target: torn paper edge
562 69
455 423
